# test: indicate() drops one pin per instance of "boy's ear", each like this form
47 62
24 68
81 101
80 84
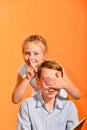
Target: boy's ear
38 83
58 74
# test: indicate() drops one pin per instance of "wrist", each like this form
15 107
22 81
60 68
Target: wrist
27 79
66 86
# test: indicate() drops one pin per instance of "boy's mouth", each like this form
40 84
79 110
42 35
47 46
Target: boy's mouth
52 91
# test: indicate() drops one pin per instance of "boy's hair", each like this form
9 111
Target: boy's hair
50 65
36 39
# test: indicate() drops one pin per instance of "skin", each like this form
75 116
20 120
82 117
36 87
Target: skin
34 54
48 88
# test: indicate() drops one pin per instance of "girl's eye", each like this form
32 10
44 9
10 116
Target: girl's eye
27 53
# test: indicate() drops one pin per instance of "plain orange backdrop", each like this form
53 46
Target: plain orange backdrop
63 23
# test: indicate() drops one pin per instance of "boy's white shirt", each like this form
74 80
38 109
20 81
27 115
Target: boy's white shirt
22 72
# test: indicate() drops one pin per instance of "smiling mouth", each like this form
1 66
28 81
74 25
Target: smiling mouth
51 91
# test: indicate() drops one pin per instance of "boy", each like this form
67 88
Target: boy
47 111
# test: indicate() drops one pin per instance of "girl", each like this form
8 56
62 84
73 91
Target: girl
34 52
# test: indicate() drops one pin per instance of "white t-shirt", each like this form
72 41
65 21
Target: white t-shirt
22 72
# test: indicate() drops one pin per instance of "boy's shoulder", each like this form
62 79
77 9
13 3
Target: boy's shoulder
29 101
67 102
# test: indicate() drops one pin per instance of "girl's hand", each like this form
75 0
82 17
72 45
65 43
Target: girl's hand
57 82
30 73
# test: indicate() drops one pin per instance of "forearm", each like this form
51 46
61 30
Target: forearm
19 91
72 90
70 87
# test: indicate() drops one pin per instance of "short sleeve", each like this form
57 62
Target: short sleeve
22 70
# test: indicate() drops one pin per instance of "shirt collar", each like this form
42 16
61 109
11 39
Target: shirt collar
40 101
59 102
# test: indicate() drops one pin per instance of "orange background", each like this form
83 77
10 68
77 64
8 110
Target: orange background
63 23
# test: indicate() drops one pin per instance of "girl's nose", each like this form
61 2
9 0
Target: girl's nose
31 56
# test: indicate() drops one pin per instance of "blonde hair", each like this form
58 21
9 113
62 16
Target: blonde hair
50 65
36 39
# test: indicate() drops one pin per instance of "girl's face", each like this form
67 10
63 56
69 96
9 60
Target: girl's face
34 54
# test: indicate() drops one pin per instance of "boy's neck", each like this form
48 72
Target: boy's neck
49 103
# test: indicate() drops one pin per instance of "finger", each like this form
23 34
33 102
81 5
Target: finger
31 71
33 66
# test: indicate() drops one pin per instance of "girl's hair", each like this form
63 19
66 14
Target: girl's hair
50 65
36 39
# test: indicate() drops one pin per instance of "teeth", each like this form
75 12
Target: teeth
33 60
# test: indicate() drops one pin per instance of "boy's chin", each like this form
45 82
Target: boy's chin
52 96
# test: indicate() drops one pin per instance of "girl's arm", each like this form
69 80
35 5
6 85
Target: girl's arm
64 83
70 87
21 85
19 89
